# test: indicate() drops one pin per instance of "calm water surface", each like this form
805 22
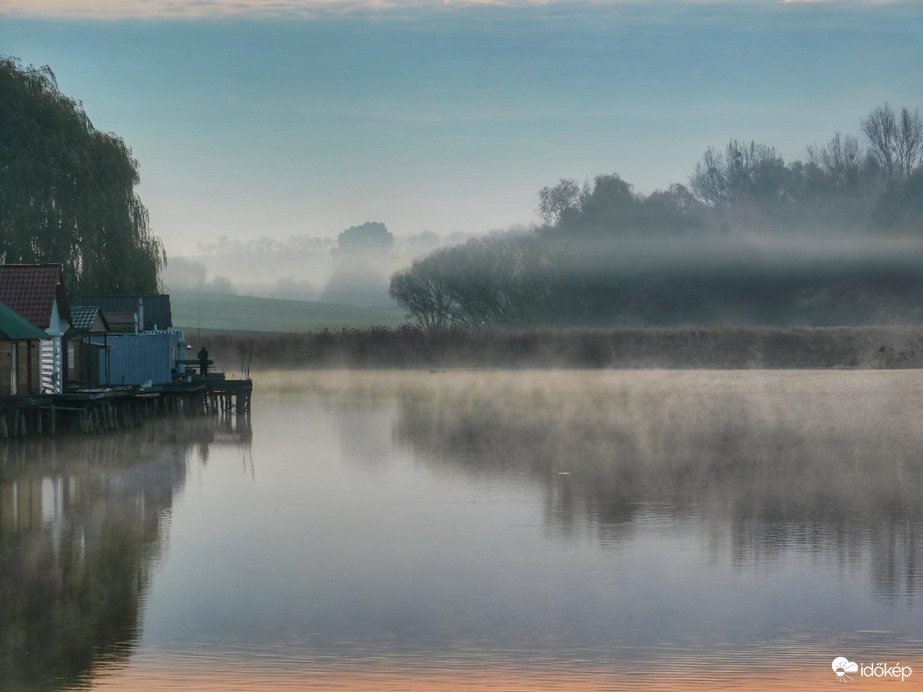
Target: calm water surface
495 530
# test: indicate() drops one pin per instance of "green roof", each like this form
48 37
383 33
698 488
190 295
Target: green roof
83 317
14 326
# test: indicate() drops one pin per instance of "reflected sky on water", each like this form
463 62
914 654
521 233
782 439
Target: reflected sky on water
433 530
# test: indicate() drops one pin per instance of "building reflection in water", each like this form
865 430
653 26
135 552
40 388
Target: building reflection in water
83 524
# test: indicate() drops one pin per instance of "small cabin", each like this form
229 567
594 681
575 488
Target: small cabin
37 293
19 354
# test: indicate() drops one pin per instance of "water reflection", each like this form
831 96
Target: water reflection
636 528
764 463
496 530
83 524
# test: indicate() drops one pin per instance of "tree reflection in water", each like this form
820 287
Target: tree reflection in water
83 523
768 462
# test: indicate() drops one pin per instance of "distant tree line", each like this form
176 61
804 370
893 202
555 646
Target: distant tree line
67 191
608 256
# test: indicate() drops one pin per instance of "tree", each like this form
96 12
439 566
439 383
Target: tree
183 273
606 208
742 170
357 278
220 284
900 205
498 281
422 290
673 211
840 162
611 195
371 236
896 140
67 191
555 201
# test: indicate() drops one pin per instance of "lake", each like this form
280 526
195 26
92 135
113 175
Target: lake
477 530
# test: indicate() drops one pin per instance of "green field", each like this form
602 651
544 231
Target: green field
212 312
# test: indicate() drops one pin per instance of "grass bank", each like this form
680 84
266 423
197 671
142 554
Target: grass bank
201 310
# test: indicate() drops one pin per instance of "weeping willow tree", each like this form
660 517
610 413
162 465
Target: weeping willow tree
67 191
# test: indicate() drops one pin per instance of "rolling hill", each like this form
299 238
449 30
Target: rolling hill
212 312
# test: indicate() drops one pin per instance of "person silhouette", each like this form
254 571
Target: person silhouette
203 361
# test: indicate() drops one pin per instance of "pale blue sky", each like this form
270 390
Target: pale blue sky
269 122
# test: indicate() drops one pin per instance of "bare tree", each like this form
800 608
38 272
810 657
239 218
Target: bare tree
500 280
840 160
909 142
742 170
709 181
896 140
422 290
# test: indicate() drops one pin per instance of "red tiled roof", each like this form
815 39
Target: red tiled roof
30 290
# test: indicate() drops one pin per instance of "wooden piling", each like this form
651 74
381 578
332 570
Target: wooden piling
113 408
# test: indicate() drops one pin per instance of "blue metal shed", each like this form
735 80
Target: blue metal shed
137 358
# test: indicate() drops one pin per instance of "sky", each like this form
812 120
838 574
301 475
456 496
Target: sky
254 118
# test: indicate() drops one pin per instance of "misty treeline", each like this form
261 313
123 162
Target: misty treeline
340 268
749 239
350 266
67 191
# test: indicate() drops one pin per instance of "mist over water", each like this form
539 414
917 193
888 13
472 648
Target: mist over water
532 530
806 458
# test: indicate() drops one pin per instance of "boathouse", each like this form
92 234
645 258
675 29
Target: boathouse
37 293
137 347
19 354
115 380
83 357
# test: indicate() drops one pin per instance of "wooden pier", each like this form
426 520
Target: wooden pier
90 411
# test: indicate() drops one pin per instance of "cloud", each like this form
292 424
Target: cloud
213 9
216 9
